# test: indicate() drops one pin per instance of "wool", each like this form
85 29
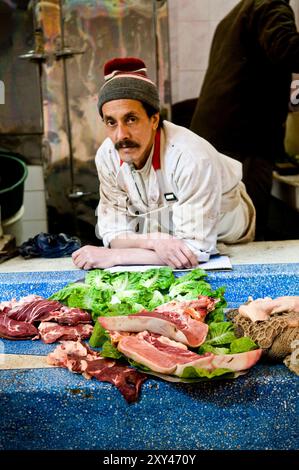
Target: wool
126 78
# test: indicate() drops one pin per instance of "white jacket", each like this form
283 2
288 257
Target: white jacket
194 195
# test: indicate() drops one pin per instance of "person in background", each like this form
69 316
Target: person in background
166 194
243 103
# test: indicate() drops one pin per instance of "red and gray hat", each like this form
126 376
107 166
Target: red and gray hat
126 78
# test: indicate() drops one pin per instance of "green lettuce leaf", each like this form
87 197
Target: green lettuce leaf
125 307
189 290
137 365
157 279
124 282
97 277
193 372
196 274
204 348
217 315
63 294
108 350
220 334
241 345
99 336
156 300
84 296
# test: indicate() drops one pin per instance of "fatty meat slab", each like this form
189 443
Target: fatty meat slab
180 321
162 355
156 352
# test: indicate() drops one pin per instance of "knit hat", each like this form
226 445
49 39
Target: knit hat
126 78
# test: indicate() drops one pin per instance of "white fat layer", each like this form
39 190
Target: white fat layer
135 325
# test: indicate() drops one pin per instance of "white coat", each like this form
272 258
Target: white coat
188 189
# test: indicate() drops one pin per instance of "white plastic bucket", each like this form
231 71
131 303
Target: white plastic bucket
14 226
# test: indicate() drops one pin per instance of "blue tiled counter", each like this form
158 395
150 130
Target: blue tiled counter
55 409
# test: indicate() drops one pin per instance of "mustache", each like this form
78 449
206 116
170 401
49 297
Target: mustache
126 143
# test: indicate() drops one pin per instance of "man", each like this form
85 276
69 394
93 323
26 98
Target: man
166 195
243 104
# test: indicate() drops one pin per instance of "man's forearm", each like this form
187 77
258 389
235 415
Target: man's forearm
135 240
129 256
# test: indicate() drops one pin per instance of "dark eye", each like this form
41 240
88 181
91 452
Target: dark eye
131 120
110 123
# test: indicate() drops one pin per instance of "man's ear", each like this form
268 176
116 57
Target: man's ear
155 120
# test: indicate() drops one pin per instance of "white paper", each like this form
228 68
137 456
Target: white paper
217 262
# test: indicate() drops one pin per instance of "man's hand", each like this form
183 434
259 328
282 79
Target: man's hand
174 252
89 257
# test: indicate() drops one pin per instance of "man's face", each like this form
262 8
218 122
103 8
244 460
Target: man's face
130 129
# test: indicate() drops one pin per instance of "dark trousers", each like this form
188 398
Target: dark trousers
257 177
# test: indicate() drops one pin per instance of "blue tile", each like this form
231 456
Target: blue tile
55 409
41 283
